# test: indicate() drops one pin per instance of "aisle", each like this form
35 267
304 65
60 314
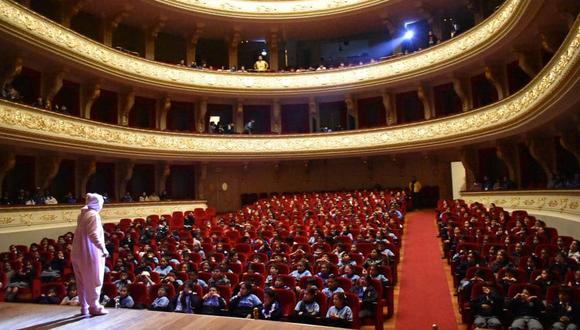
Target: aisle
424 297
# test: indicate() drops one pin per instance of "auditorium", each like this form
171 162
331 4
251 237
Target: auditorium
290 164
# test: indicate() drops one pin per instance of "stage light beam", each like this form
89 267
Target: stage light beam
409 34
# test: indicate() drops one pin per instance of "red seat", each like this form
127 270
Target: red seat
344 283
290 281
243 248
319 282
234 279
287 300
139 293
257 279
354 305
225 291
258 268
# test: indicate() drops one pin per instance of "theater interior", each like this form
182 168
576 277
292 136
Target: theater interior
364 164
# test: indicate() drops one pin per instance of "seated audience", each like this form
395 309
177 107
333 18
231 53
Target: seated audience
124 300
71 298
307 310
526 310
339 314
161 302
564 312
367 296
243 303
213 303
188 301
487 308
271 310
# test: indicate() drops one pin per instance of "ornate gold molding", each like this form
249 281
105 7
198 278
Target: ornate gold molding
42 33
31 217
271 10
546 94
557 202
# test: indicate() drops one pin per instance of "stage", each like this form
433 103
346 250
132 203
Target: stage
34 316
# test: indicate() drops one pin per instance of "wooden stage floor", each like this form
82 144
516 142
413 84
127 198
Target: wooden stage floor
34 316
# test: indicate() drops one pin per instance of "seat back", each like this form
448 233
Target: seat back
287 300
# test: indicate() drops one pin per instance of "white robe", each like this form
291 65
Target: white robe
88 254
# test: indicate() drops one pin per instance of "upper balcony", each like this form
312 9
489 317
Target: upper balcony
39 38
549 94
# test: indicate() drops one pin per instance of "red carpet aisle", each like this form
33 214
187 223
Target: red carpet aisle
424 296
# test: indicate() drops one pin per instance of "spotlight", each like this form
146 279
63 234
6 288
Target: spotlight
264 53
409 35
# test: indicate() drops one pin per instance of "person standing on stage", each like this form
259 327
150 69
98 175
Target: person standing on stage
88 256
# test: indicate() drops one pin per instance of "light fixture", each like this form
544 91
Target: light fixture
409 34
264 53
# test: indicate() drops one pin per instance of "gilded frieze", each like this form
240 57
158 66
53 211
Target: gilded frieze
33 28
558 202
553 82
17 218
271 9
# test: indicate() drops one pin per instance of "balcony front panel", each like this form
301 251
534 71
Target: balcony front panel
554 90
271 10
41 34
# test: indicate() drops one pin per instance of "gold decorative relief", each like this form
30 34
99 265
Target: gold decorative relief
17 218
38 31
554 82
555 202
269 10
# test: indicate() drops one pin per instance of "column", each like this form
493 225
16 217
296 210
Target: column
351 112
191 44
163 170
313 115
70 9
126 102
202 181
11 70
468 157
233 44
389 105
47 168
507 151
200 115
276 117
497 77
239 117
571 142
461 88
86 168
109 25
425 94
273 47
163 107
151 36
89 94
7 163
474 6
51 84
544 152
124 173
530 61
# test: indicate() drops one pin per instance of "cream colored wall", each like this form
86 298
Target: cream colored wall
25 225
332 174
558 208
458 179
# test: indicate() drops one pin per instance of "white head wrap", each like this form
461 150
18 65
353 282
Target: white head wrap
94 202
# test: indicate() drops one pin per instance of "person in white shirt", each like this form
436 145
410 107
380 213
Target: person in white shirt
72 298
